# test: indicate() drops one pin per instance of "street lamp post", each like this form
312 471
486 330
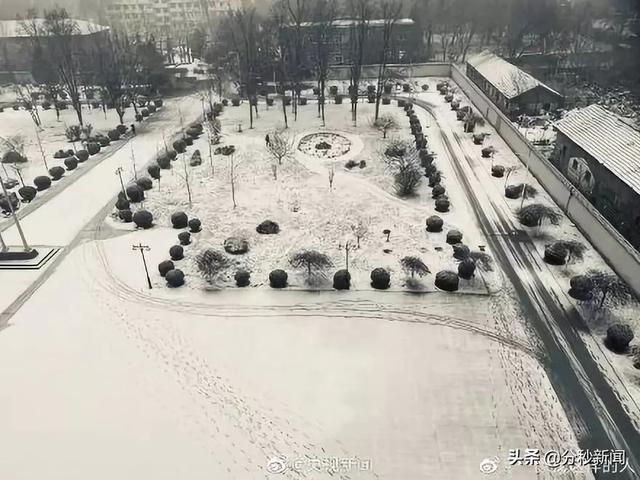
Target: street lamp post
119 171
25 245
144 248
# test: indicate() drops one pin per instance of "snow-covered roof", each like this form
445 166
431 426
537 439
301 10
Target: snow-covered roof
344 23
15 28
508 79
607 138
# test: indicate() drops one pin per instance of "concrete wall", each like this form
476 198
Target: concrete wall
619 253
343 72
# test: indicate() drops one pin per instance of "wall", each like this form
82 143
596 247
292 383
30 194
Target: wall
343 72
619 253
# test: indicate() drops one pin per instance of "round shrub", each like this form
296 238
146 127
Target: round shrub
175 278
145 183
135 193
122 203
158 103
82 155
93 148
195 225
103 141
460 251
5 206
165 267
71 163
278 279
555 254
497 171
342 280
193 132
113 135
59 154
176 252
454 236
42 182
386 101
184 238
179 220
126 215
154 171
268 227
434 224
380 279
139 117
438 190
236 246
581 288
145 112
27 193
466 269
180 146
447 280
197 126
442 205
513 191
619 336
164 162
242 278
122 129
188 141
143 219
152 108
56 173
172 154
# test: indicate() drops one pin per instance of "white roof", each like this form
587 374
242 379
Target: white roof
14 28
607 138
508 79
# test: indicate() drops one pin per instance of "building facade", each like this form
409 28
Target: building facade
513 90
599 153
17 49
405 41
175 18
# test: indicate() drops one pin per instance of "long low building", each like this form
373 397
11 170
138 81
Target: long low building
513 90
599 152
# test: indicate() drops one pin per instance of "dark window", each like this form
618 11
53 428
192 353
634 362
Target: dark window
564 151
574 163
587 176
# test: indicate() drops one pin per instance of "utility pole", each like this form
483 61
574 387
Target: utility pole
25 245
119 171
144 248
347 246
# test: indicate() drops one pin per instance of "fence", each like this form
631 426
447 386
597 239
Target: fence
617 251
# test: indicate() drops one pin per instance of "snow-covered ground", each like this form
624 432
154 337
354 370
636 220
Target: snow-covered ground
618 368
309 212
170 389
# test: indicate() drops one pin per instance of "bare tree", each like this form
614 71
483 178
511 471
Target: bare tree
311 260
385 123
244 34
361 12
324 15
56 36
390 10
25 94
186 176
233 178
360 229
281 146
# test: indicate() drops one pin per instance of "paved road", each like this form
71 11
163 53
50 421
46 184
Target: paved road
593 406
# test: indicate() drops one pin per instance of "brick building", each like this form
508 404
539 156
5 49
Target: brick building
599 153
512 89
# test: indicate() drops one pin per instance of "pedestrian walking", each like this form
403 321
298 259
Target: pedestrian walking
133 129
267 140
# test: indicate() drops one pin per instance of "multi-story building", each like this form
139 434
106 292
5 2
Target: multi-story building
174 18
405 41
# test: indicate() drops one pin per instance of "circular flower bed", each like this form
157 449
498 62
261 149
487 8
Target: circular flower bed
325 145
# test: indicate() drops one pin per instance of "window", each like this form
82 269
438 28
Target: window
574 162
587 176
